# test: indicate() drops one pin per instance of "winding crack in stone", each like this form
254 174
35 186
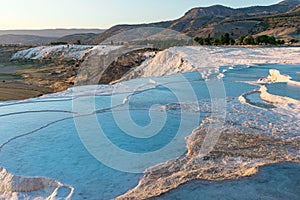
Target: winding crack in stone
237 154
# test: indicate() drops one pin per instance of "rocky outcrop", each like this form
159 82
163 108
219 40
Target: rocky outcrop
124 64
237 154
11 185
7 51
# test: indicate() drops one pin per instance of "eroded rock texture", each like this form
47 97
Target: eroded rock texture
236 154
12 186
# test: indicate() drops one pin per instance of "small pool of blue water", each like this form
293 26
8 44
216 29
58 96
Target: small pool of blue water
279 181
284 89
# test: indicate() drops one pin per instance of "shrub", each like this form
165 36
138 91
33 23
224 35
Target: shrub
272 40
262 39
249 40
280 42
199 40
222 40
292 41
241 40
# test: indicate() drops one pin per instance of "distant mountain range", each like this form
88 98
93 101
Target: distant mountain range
24 39
42 36
281 20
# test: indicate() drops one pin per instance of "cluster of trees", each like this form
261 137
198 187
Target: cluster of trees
259 40
58 43
242 40
222 40
292 41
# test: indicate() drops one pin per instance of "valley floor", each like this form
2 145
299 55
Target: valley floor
19 81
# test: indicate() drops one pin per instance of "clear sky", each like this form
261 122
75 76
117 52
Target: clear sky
40 14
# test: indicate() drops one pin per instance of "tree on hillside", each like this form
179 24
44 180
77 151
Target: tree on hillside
248 40
232 41
292 41
241 40
262 39
280 42
272 40
207 41
225 39
222 40
216 41
199 40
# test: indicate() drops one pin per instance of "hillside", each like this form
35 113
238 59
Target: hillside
24 39
30 37
55 33
218 19
75 38
285 25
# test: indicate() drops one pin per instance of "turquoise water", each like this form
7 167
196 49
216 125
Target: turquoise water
45 141
254 73
280 181
284 89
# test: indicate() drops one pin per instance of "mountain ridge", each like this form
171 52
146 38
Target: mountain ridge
44 36
24 39
59 32
215 20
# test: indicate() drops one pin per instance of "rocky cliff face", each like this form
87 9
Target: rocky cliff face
124 64
216 10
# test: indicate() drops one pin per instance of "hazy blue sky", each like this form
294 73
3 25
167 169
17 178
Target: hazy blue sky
37 14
